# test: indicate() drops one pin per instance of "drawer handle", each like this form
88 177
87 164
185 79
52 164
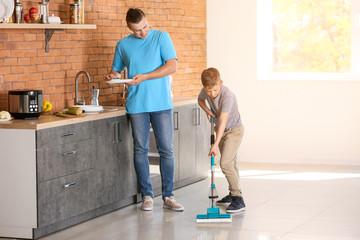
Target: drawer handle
198 116
69 185
176 121
116 132
68 134
68 153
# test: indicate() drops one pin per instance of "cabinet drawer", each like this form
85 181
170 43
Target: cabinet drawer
65 197
52 137
64 160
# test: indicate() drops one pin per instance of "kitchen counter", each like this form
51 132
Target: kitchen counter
69 170
51 120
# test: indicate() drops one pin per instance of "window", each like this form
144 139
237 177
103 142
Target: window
308 39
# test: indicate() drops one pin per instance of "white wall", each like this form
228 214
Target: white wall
285 121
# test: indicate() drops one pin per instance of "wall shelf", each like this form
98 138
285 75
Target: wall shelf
49 28
45 26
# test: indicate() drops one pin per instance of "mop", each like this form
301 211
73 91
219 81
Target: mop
213 214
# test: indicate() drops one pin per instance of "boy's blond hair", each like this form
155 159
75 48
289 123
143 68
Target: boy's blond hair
210 77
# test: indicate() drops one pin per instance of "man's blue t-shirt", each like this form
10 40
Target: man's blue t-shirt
143 56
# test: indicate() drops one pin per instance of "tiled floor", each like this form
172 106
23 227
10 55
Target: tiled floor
287 202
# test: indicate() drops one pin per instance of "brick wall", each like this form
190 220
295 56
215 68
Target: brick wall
24 64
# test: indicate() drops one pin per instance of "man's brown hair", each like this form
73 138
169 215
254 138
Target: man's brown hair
134 15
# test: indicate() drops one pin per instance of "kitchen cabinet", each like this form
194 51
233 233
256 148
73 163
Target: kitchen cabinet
17 183
186 143
154 164
55 175
202 136
84 170
191 148
114 176
64 175
192 134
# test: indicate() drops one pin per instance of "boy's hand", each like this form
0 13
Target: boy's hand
214 150
209 115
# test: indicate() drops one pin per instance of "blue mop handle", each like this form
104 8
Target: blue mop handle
212 140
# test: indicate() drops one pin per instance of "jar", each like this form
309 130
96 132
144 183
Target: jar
81 10
74 13
44 11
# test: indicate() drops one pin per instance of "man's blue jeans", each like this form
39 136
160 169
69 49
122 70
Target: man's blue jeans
162 124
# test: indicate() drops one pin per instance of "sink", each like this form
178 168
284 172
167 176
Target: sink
90 108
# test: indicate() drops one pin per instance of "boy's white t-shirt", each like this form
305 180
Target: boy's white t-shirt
224 102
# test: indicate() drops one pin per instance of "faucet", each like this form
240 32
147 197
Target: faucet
77 102
126 74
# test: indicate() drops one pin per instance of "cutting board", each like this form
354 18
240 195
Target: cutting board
69 115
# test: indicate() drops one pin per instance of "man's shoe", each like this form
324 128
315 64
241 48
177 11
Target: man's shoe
147 204
225 200
235 205
170 203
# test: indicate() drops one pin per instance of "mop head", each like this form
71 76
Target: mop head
213 216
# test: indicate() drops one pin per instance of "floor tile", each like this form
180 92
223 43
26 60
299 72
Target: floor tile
326 227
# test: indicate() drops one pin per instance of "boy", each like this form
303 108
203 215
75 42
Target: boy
229 132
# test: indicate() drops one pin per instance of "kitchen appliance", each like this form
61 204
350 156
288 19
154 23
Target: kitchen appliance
24 104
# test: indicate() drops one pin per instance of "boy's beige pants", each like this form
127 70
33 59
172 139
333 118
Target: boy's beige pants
228 146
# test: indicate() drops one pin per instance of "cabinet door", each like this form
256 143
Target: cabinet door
114 172
176 144
187 142
126 180
105 166
203 135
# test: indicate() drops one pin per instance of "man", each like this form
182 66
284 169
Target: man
150 58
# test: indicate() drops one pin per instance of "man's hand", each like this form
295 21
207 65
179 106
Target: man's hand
113 74
110 76
137 79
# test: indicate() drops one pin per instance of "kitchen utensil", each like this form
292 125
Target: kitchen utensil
54 19
64 115
44 11
116 81
95 97
18 11
6 10
25 104
6 120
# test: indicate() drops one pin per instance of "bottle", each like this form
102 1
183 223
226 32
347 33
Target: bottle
18 11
